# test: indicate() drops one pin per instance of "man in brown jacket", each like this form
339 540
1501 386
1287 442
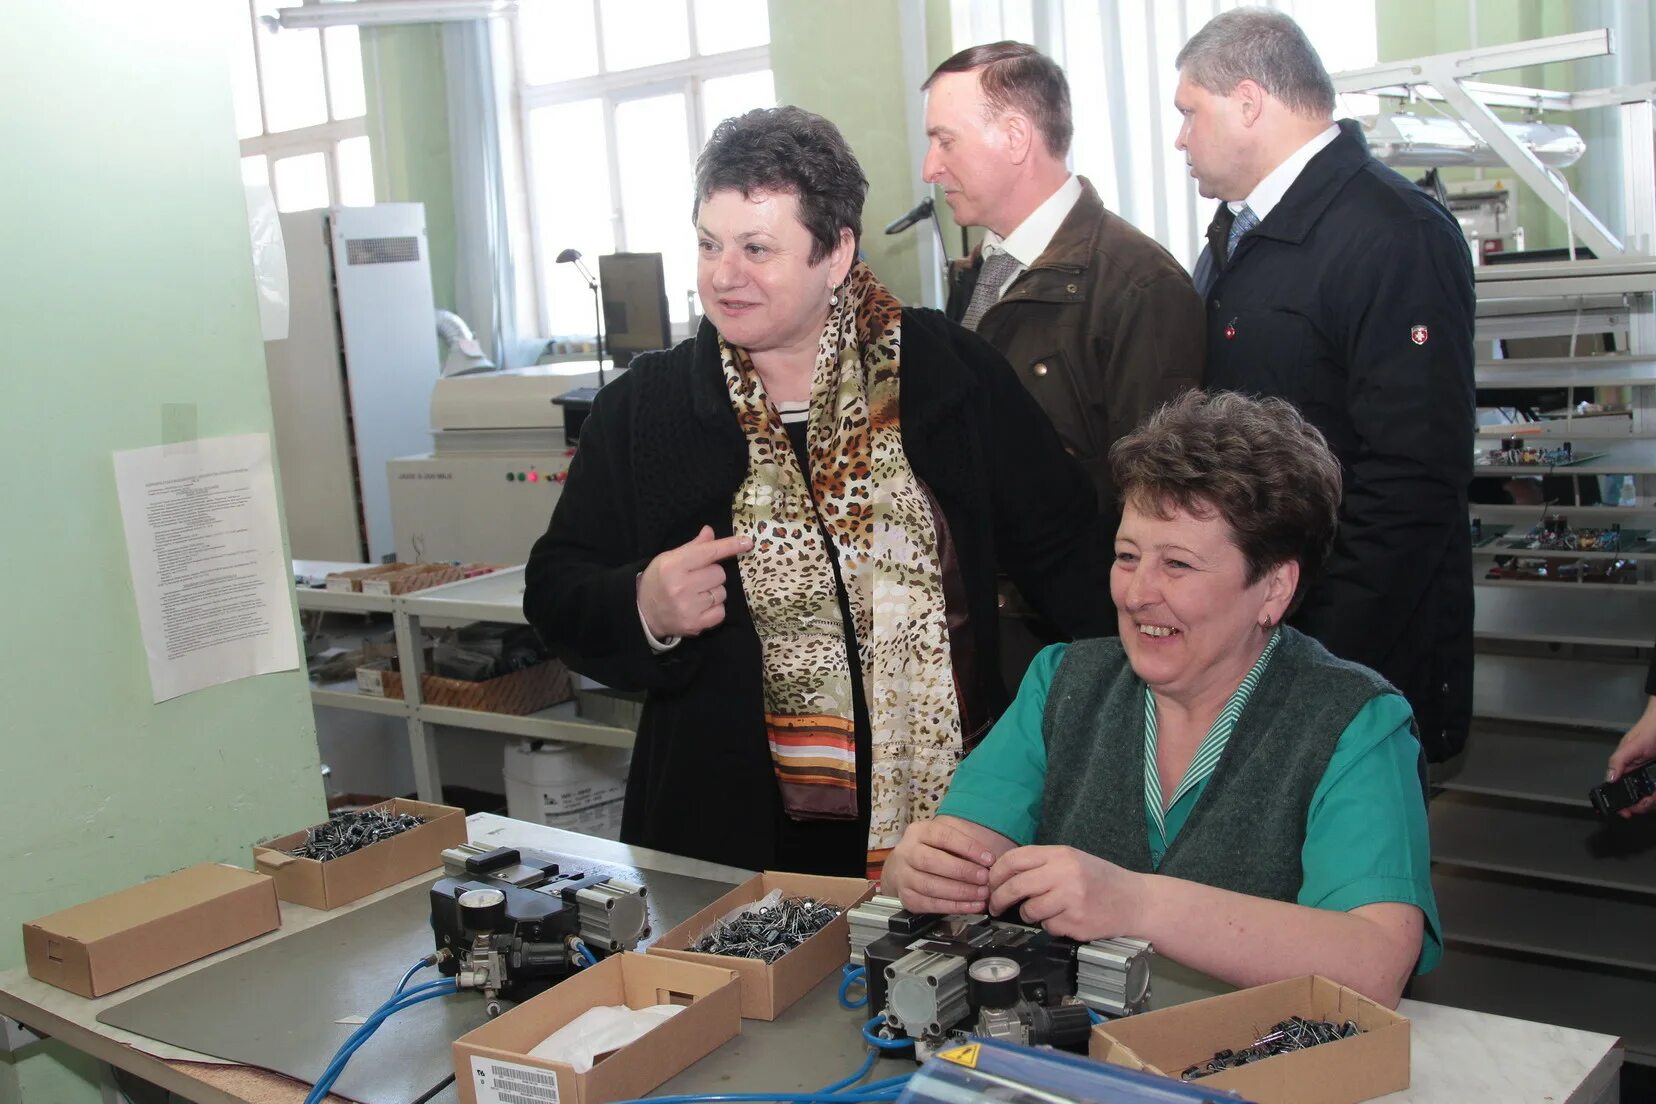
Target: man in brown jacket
1100 323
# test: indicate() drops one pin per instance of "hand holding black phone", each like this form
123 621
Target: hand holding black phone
1631 788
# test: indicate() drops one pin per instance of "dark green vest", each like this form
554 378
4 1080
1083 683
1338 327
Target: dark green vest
1248 826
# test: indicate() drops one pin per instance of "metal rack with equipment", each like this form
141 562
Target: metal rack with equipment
496 597
1548 907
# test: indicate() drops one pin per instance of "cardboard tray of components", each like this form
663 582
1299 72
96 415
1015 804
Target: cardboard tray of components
103 945
397 578
768 989
1171 1040
492 1061
521 692
327 885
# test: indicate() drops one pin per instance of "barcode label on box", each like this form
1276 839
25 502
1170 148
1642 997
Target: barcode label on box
371 681
497 1082
376 586
335 582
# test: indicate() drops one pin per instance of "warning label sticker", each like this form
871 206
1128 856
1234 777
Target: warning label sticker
966 1055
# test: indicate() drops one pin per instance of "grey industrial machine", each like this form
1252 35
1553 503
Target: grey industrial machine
350 383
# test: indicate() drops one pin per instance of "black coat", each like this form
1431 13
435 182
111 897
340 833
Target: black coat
662 455
1353 300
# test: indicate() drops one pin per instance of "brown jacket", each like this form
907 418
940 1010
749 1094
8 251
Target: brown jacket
1102 329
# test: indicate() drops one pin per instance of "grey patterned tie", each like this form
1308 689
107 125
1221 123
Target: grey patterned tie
996 270
1244 221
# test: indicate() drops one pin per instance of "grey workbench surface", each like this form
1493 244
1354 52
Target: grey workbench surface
1457 1055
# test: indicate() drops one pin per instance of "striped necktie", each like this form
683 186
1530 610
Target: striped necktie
1244 221
996 270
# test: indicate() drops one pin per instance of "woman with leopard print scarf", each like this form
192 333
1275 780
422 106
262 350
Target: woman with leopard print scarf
787 531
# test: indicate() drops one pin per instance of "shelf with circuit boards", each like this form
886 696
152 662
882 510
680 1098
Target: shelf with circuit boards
1628 456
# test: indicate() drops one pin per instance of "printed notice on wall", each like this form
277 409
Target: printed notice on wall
214 590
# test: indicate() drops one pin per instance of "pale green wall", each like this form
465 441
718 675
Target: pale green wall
408 131
126 284
844 61
1411 28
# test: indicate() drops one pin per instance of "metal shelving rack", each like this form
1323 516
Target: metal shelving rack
496 597
1549 913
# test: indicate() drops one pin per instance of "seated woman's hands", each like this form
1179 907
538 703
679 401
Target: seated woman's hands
682 591
1067 892
942 865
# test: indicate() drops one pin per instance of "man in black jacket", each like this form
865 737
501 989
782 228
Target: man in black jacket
1334 283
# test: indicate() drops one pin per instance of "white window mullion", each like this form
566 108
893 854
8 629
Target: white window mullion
618 217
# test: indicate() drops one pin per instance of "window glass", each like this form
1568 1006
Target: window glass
559 40
290 74
730 25
356 173
301 182
345 72
244 73
256 170
723 97
573 205
656 189
644 32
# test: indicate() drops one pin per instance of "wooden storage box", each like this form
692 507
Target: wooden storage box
521 692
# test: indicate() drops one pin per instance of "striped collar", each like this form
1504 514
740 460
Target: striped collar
1212 747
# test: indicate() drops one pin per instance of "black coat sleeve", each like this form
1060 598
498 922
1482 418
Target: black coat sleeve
580 591
1410 400
1049 536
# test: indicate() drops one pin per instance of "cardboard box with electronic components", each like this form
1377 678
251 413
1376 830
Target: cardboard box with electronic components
769 989
493 1059
135 933
1170 1040
327 885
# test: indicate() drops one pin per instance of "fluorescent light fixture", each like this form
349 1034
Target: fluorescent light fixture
1404 140
339 13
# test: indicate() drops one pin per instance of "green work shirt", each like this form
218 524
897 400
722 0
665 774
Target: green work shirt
1366 839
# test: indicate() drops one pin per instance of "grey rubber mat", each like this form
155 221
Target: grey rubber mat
276 1006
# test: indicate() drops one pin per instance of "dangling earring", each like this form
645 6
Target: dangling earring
833 299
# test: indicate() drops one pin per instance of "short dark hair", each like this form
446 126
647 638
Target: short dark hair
1261 45
1256 463
1014 74
787 149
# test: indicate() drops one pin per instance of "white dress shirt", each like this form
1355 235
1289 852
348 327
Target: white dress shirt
1034 234
1269 192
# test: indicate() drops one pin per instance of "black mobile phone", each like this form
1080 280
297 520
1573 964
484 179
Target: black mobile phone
1628 790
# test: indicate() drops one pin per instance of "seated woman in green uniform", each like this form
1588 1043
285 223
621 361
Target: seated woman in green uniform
1212 781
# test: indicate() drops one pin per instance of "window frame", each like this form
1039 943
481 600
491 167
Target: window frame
323 138
612 88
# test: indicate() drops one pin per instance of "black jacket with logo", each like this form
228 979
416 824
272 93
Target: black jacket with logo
1353 300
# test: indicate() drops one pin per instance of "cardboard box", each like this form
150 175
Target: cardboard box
327 885
769 989
496 1054
144 930
1170 1040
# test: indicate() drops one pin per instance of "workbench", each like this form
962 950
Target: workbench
1458 1056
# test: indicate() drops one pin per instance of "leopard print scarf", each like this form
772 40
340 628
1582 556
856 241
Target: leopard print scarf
863 496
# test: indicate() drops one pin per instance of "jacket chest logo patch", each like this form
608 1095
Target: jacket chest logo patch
1230 330
1418 334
